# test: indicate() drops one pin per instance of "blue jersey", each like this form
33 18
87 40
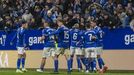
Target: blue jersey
99 34
88 41
21 39
49 41
75 38
63 37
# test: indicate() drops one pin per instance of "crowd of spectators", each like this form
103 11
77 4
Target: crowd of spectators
108 13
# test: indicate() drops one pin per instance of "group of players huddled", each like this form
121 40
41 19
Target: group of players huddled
86 44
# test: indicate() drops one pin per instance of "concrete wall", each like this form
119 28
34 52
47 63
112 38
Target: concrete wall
115 59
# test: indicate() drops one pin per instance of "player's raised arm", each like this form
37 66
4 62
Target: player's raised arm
59 30
55 32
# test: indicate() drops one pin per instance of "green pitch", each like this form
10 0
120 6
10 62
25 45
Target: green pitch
31 72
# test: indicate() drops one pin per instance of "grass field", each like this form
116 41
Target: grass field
32 72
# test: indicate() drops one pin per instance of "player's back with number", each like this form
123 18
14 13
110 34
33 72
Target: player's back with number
49 40
63 36
88 40
99 33
75 37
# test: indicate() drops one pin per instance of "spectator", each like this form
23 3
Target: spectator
75 19
49 3
102 2
27 16
129 7
109 6
123 20
1 23
132 24
77 6
37 18
124 2
129 16
50 18
71 11
8 23
109 21
17 23
119 9
66 20
44 11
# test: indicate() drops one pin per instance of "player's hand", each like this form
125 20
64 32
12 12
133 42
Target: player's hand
42 38
11 43
94 38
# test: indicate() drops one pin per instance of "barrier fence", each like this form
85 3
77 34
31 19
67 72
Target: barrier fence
122 38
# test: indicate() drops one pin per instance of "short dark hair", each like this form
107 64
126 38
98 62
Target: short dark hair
88 25
60 20
23 21
93 21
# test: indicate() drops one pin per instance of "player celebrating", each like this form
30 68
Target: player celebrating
99 45
21 44
49 45
89 45
76 45
62 34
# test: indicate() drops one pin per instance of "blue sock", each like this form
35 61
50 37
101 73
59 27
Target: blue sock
71 62
23 62
87 63
100 62
94 63
83 60
79 63
18 63
69 65
56 65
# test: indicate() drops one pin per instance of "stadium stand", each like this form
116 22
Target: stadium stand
108 13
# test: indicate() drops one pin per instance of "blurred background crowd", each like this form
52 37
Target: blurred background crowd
108 13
